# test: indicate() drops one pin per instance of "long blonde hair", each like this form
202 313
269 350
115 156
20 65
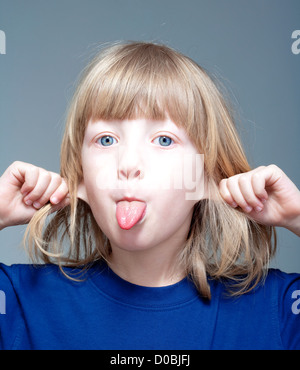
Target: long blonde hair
139 79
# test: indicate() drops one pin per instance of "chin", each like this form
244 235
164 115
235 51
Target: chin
132 240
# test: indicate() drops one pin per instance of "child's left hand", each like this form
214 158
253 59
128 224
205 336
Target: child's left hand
267 195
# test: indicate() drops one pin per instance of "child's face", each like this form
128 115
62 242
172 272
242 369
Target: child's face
153 162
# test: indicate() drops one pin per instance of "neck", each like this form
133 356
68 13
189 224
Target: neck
152 268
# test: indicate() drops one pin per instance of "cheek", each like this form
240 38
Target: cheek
101 208
171 215
182 173
164 172
171 207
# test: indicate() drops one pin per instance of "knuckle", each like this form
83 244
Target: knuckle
64 186
16 164
260 168
55 179
45 175
274 167
256 176
44 172
231 180
243 179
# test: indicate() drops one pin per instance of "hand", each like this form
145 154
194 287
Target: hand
24 189
267 195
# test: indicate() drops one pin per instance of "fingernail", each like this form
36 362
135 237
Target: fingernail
234 204
258 209
36 205
263 200
248 209
28 202
54 200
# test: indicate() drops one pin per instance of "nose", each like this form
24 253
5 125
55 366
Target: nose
130 164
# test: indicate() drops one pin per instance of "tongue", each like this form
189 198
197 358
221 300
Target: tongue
129 213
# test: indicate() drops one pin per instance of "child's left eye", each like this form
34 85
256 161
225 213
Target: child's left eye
163 141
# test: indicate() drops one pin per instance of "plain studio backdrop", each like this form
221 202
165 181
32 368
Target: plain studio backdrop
252 47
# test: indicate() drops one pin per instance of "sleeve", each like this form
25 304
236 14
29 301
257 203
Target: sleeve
10 312
289 310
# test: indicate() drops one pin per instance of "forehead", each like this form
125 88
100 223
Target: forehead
154 84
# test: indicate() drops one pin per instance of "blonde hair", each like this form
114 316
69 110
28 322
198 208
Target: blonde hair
139 79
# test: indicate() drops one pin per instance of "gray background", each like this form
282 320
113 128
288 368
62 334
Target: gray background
246 44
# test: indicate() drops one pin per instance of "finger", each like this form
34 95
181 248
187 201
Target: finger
22 175
225 193
65 202
245 182
236 194
43 181
271 175
30 176
54 184
60 193
258 184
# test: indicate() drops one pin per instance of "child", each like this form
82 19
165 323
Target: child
132 261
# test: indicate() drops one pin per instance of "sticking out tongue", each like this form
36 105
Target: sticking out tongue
129 213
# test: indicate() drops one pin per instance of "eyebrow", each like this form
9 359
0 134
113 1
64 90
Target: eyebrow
168 124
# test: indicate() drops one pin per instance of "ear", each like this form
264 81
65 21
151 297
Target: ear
81 191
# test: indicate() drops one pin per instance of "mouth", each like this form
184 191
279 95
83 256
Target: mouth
130 212
130 199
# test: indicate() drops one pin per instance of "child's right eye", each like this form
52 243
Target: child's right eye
165 141
106 140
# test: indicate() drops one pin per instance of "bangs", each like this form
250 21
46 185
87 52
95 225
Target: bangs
149 81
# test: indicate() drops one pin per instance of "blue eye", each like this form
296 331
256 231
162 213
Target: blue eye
107 140
164 141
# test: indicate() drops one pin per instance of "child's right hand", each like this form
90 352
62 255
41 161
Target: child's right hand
24 189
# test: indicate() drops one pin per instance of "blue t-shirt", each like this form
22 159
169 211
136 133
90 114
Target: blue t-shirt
42 309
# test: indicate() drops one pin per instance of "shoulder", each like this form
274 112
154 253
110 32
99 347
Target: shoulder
281 276
284 289
31 271
268 315
27 283
21 276
282 283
